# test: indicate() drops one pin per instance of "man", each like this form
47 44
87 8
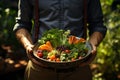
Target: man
62 14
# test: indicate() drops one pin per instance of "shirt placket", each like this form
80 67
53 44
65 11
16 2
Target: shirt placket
61 13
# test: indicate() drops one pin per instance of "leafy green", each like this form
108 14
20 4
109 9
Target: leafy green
55 36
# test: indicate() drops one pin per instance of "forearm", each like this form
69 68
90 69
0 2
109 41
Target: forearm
24 37
96 38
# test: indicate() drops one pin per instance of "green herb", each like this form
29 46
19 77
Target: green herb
56 36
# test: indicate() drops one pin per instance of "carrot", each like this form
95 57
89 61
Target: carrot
48 43
46 46
71 39
52 57
74 40
82 40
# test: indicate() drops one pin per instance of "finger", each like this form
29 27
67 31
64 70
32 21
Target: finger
29 49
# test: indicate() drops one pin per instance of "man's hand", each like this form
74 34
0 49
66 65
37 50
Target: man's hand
29 48
94 40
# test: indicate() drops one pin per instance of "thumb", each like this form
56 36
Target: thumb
29 49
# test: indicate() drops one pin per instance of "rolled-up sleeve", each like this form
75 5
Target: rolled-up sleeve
95 17
25 15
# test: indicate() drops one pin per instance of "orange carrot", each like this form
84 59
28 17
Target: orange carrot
52 57
71 39
74 40
46 46
48 43
82 40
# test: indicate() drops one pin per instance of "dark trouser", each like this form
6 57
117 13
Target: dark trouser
34 72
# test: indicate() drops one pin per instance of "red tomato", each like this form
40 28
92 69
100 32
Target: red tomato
40 54
67 51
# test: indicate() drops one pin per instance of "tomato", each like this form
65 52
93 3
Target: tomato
40 54
67 51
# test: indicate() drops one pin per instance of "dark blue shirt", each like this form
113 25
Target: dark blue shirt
63 14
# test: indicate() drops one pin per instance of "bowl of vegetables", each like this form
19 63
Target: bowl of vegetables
58 48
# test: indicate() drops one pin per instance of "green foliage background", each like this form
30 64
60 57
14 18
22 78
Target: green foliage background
108 57
7 21
106 66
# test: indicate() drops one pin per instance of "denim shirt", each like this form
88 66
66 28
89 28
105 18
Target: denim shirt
62 14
